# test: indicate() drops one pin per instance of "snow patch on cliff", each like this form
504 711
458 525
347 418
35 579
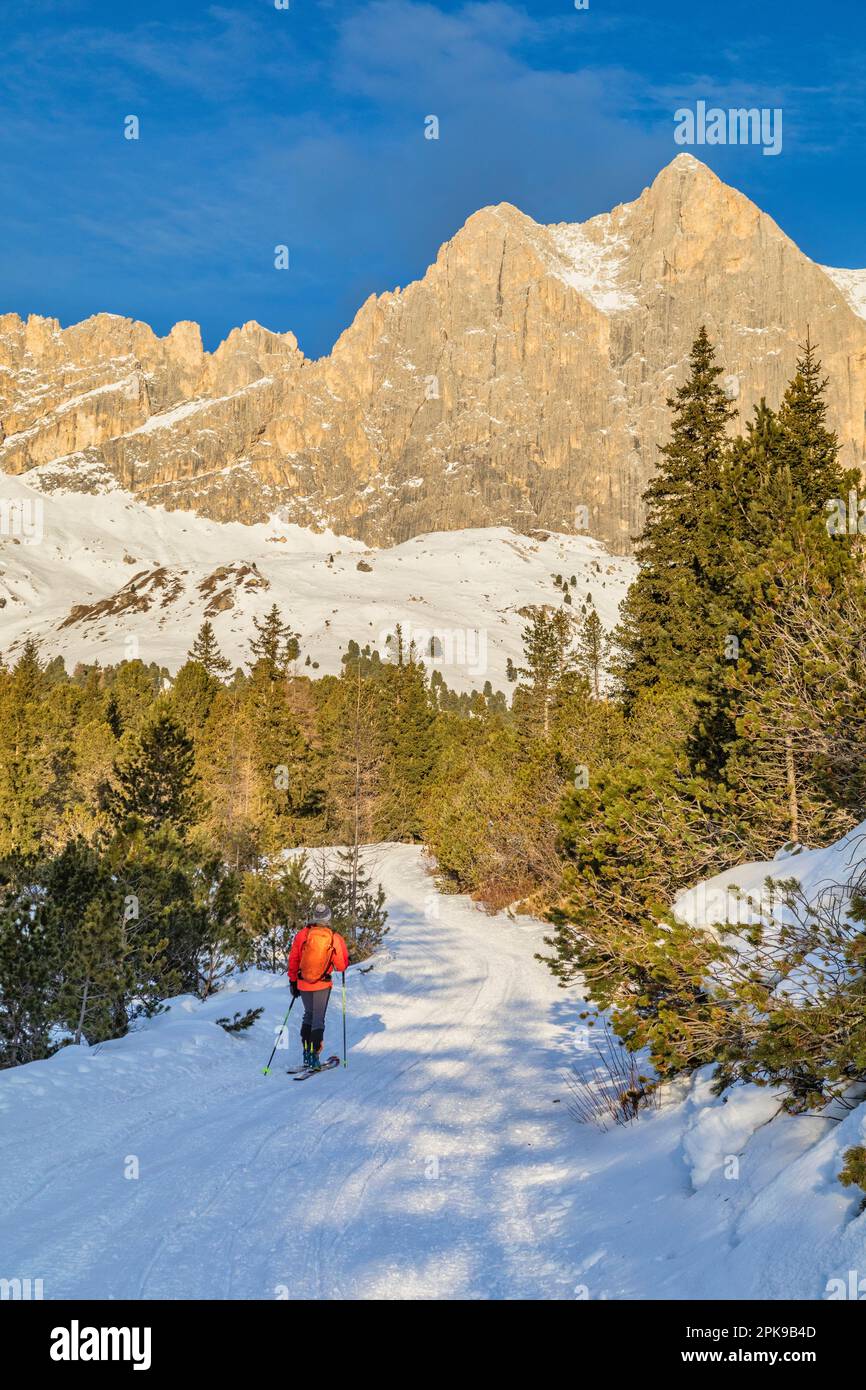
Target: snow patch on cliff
592 268
852 283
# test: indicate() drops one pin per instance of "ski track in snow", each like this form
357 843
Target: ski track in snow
458 1038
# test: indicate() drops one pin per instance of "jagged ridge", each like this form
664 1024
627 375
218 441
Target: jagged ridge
521 380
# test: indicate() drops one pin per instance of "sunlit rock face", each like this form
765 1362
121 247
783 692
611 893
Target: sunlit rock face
522 381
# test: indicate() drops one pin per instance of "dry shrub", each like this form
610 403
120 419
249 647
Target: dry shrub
608 1086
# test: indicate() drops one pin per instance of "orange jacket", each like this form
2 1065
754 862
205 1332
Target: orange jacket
339 960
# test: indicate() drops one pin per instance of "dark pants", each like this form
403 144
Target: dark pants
315 1007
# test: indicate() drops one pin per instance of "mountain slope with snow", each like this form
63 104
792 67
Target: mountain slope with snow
107 578
443 1163
852 283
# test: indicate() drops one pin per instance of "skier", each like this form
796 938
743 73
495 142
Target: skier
316 951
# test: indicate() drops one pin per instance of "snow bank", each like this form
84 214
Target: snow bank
442 1164
723 1125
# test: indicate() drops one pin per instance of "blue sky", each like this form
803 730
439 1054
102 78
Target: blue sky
262 126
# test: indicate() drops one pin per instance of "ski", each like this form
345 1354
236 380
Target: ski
314 1071
293 1071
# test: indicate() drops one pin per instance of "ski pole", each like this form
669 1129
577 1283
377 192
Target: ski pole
345 1057
267 1069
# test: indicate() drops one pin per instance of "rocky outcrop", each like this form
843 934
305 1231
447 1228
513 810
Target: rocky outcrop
521 381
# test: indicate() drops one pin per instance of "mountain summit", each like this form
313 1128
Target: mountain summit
521 381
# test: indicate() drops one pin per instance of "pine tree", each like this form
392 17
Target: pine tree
34 757
228 767
666 619
778 707
358 910
112 715
132 689
29 675
192 694
205 650
154 775
352 722
29 965
85 815
178 903
287 786
409 748
217 893
97 974
275 904
550 666
591 649
808 450
274 646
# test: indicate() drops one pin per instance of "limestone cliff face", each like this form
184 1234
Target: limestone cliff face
522 379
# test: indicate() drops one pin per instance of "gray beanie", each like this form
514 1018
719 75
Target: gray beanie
321 913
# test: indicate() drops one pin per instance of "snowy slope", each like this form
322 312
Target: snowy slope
748 893
852 283
593 268
101 577
442 1164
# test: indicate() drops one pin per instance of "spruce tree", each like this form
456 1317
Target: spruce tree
205 650
359 911
666 619
154 775
549 667
192 693
778 709
781 722
29 674
409 748
808 450
29 965
274 646
590 650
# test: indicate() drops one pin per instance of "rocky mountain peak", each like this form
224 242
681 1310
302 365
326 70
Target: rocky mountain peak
520 381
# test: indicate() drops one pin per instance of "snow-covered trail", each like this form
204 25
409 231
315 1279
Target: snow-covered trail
405 1175
442 1164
